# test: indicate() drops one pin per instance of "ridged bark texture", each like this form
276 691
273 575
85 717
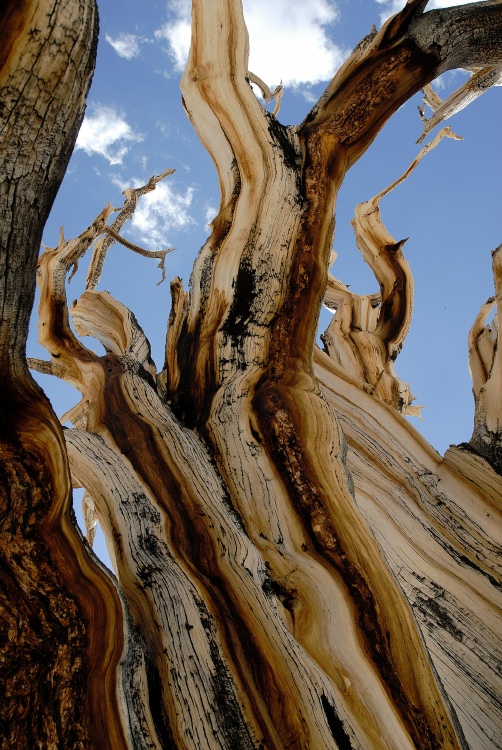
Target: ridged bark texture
297 567
60 616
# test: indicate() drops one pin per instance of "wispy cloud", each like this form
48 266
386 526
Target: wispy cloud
125 45
176 32
277 30
106 132
390 7
449 80
210 213
159 213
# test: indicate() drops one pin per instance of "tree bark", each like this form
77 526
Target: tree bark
297 567
61 618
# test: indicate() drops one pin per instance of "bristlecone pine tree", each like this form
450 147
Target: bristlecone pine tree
296 566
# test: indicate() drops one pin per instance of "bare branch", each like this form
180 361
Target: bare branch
98 314
170 376
141 251
446 132
368 331
480 82
464 36
485 364
266 93
410 50
217 70
126 213
431 99
54 331
90 517
302 567
47 367
482 341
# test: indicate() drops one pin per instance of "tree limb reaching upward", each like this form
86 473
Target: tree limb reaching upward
367 332
296 567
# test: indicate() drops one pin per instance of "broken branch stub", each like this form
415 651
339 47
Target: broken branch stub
480 81
266 93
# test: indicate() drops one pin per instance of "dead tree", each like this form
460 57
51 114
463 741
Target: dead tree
296 566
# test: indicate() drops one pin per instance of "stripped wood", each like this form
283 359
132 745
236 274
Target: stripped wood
295 566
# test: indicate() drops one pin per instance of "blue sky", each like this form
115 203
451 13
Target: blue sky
135 127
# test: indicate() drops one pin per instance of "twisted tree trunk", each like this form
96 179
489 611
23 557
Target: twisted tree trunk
298 567
60 616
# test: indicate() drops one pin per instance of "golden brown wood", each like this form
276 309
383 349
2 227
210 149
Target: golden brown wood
297 567
61 618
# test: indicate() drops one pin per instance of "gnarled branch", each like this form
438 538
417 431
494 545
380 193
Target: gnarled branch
112 232
485 364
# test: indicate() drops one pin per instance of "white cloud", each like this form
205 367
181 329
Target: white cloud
106 132
449 80
210 213
277 31
125 45
158 213
390 7
308 95
177 32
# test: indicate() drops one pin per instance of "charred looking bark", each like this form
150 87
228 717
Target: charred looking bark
36 56
44 629
488 444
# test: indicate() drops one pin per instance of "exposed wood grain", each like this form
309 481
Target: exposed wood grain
368 331
296 566
485 364
439 528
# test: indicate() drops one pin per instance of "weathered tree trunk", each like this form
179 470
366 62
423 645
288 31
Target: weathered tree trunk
60 616
298 567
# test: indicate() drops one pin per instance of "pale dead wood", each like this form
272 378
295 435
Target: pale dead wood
112 232
439 527
485 365
298 568
368 331
90 518
266 93
481 81
239 352
96 319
